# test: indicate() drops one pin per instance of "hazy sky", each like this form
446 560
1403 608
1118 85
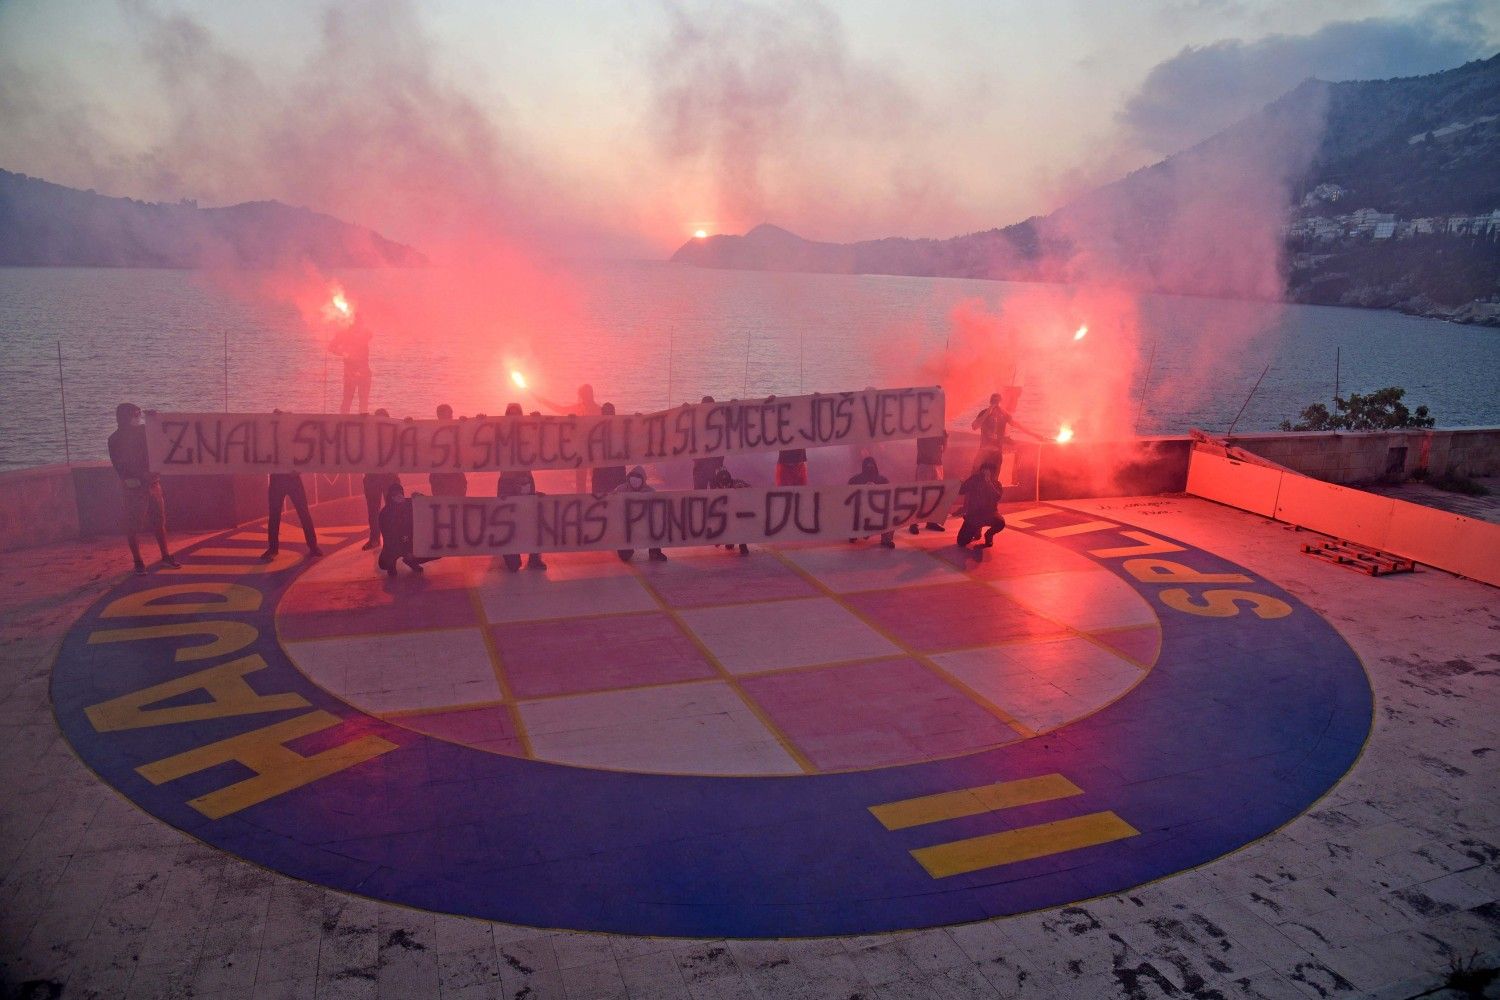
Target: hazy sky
632 124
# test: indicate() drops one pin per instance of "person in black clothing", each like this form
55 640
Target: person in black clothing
447 484
791 467
606 478
145 507
281 487
930 469
635 482
375 484
869 475
981 494
396 532
519 484
705 469
724 480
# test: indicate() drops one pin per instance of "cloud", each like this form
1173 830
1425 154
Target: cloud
1206 88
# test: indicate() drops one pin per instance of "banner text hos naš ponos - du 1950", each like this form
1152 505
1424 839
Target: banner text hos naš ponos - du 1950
288 442
447 526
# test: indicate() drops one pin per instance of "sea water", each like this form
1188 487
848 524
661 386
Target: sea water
649 335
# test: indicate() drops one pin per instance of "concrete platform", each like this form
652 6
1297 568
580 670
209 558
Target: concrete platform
1128 753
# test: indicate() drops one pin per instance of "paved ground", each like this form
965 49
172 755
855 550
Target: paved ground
1382 888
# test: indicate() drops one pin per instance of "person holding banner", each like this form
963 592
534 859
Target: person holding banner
375 484
281 487
705 470
869 475
930 469
396 532
519 484
981 496
635 482
724 480
607 478
447 484
791 467
145 506
583 406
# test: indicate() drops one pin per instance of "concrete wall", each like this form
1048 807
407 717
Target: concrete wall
1451 542
37 507
1374 456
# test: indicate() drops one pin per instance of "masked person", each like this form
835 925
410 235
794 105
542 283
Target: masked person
635 482
447 484
519 484
705 469
281 487
353 345
375 484
724 480
606 478
396 532
930 469
145 507
869 475
981 496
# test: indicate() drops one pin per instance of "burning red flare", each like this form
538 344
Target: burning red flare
1064 435
518 379
1083 331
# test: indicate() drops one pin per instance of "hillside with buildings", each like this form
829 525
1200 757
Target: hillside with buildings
1394 205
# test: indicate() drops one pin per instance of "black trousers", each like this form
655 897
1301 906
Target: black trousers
282 489
972 526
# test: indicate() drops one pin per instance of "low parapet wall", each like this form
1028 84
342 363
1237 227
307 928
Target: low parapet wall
1379 456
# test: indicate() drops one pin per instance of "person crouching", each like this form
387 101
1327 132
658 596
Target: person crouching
396 532
981 495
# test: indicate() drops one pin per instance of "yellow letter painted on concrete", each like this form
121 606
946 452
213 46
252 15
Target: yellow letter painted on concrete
1166 571
277 768
228 691
1225 603
228 637
229 598
1149 545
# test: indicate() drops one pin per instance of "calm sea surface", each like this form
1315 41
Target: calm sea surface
653 335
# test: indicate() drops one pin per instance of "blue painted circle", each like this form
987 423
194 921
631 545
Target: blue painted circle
1241 725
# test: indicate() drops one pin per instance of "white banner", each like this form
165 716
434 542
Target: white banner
449 526
290 442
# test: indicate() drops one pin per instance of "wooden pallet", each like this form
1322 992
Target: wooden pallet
1360 557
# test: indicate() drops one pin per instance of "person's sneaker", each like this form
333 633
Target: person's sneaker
914 529
934 526
268 555
744 549
657 555
314 552
887 543
171 562
370 545
535 562
140 569
625 556
412 564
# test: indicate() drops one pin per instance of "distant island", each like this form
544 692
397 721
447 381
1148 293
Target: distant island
1397 208
44 224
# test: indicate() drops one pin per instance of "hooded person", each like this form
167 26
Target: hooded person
396 532
635 482
723 479
869 475
519 484
981 501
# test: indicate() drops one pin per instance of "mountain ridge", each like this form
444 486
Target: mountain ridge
47 224
1419 150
